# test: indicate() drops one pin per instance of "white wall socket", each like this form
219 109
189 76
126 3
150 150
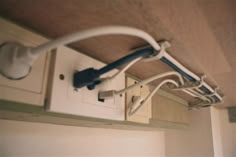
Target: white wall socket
65 99
30 90
144 113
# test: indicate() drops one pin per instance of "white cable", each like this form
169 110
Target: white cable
179 65
154 78
151 79
158 76
18 67
199 95
148 80
107 79
99 31
112 93
189 93
134 110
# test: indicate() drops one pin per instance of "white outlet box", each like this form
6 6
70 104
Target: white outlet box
144 113
30 90
65 99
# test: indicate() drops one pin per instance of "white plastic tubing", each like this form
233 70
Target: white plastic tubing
118 30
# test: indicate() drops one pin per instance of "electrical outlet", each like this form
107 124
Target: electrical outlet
144 113
65 99
31 89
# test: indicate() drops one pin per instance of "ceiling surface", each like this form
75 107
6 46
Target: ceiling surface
202 32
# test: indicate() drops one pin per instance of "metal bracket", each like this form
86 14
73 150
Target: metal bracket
190 85
213 93
196 106
164 45
202 104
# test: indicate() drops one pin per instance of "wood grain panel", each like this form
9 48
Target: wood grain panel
165 108
186 22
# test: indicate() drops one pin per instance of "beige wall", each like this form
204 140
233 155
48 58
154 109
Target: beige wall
196 141
224 134
216 133
234 140
24 139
